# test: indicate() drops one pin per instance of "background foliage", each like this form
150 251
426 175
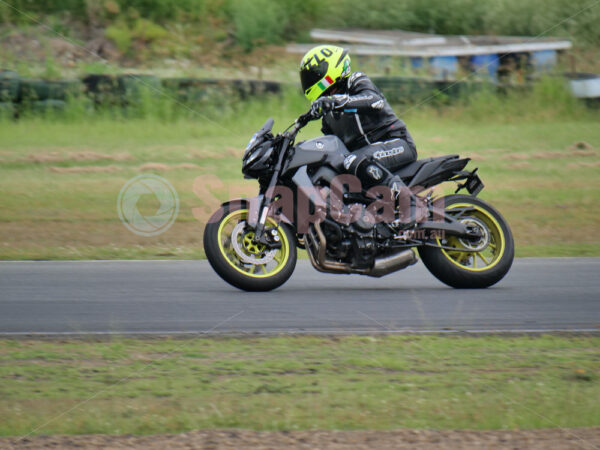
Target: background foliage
254 22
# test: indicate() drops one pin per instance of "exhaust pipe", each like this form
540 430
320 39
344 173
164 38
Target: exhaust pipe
392 263
381 266
320 261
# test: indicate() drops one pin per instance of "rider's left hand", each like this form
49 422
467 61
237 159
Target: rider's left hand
322 106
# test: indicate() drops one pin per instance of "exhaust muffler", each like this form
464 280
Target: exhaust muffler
392 263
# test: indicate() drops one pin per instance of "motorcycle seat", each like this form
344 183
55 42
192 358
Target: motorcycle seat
412 168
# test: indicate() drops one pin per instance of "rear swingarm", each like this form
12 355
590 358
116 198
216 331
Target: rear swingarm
450 227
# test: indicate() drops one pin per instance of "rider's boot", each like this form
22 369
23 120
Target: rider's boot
410 208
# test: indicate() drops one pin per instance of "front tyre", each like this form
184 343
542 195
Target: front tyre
242 263
474 264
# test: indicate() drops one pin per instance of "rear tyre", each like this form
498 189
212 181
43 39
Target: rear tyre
474 264
241 262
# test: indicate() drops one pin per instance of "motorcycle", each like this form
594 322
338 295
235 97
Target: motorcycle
306 200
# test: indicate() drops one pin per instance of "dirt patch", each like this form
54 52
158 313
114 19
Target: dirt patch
40 158
230 151
204 155
161 167
520 165
556 439
85 169
93 156
550 155
85 156
187 166
33 44
496 150
556 155
516 157
583 164
583 153
476 157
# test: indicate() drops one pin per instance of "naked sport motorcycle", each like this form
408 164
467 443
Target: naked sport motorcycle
252 243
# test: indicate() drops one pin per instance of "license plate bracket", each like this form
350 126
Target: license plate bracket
474 184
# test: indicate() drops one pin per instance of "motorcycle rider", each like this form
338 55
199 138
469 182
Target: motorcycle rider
354 110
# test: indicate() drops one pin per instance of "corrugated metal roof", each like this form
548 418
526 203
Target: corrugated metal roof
404 43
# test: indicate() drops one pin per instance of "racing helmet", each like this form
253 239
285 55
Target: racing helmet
321 68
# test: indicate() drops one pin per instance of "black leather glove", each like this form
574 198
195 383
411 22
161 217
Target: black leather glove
322 106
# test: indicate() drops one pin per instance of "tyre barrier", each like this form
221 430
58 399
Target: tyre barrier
412 89
40 107
9 86
45 106
126 90
194 90
132 87
40 90
403 89
251 88
109 90
102 89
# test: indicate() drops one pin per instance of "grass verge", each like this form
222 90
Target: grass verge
151 386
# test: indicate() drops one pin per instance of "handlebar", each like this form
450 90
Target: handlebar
298 124
301 122
305 118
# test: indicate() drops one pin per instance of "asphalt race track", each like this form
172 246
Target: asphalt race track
178 297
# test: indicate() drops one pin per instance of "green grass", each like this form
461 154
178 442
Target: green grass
127 386
547 189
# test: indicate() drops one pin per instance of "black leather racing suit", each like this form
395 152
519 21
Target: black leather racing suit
367 125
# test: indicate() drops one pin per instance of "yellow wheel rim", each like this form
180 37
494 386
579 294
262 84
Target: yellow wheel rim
239 250
476 257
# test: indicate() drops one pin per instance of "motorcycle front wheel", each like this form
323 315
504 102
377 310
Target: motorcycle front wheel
247 265
471 264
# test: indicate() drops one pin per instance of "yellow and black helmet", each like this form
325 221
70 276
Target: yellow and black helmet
322 67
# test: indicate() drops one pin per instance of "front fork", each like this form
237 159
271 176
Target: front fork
257 220
258 215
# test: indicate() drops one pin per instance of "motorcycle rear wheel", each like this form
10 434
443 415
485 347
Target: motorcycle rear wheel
243 263
474 265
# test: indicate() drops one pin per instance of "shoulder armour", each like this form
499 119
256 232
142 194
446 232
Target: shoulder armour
354 78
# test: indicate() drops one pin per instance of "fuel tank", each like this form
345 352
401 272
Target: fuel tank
323 150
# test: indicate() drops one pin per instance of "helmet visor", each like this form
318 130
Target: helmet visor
311 75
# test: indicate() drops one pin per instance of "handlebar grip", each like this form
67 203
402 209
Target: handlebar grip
304 118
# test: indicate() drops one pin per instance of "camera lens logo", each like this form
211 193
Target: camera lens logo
165 215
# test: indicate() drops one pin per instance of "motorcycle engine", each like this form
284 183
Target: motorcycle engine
353 236
355 241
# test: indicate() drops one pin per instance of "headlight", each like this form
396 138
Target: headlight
252 142
257 159
253 156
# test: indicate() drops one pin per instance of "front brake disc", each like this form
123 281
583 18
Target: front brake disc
238 231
